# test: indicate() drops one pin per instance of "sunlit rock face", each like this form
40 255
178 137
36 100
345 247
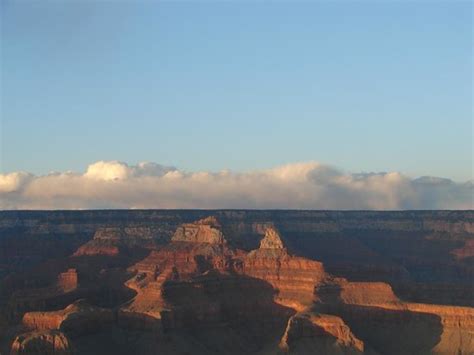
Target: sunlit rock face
294 277
271 240
197 280
424 255
206 230
313 333
114 241
77 318
244 282
194 248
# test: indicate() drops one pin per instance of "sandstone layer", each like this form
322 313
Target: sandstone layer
262 282
77 318
313 333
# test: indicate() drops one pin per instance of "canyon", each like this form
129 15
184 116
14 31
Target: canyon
236 281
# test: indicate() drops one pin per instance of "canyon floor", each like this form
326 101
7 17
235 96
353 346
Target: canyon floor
236 282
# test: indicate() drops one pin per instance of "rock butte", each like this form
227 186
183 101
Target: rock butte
200 294
77 318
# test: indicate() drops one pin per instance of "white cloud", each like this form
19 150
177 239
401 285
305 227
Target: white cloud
108 170
116 170
310 185
13 181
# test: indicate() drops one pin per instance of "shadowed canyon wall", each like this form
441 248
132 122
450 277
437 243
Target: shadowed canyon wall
268 281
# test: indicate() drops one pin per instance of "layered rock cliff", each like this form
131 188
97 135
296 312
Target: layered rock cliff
293 277
235 282
77 318
312 333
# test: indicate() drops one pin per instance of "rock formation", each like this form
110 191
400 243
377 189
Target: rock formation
313 333
68 281
206 230
392 326
299 284
46 342
264 282
293 277
77 318
112 241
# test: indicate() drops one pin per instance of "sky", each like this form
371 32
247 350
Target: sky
248 87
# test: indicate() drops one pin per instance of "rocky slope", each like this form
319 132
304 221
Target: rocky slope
77 318
315 333
263 282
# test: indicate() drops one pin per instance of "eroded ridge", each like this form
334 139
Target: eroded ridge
199 294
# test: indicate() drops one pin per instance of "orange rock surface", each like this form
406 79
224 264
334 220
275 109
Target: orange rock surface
313 333
77 318
199 294
293 277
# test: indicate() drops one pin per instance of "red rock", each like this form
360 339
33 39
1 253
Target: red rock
206 230
198 283
339 290
293 277
112 241
313 333
77 318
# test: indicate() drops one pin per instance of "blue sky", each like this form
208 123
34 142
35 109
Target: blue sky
238 85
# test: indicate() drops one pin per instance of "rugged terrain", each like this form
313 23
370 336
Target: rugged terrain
263 282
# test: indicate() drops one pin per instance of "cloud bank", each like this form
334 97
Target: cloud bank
308 185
